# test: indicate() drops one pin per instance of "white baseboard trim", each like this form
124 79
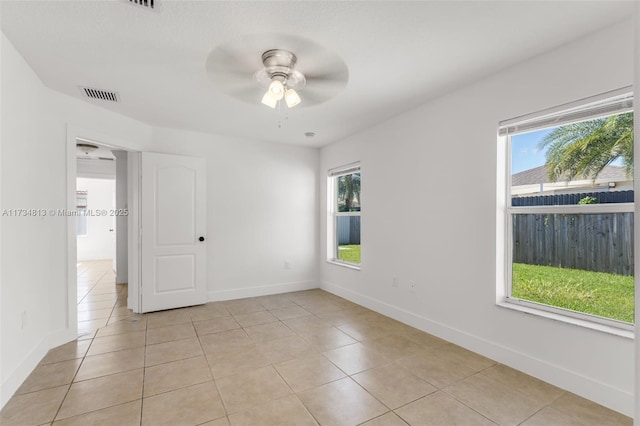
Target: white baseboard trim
263 290
613 398
20 374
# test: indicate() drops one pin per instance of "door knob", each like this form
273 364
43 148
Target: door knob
201 239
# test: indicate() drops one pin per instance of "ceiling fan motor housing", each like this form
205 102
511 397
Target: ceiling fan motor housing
280 65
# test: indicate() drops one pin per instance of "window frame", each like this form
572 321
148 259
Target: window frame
334 214
564 114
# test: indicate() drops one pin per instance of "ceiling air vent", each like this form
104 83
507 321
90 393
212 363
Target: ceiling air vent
151 4
103 95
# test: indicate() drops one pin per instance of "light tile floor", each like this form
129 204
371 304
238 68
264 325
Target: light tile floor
302 358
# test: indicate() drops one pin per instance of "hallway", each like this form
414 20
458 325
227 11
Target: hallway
100 300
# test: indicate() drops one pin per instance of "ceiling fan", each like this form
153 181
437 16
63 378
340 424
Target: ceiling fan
293 70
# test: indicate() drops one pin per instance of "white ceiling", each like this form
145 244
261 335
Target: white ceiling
398 54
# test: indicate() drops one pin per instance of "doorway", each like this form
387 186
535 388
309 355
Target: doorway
100 227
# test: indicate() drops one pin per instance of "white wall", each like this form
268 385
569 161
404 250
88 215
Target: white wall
36 123
417 226
262 208
262 203
99 243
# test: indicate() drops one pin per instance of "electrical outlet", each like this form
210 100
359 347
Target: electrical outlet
394 282
412 286
287 264
23 320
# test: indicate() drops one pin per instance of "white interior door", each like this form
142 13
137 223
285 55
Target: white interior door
173 227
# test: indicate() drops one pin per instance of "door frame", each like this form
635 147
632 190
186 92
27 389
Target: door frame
74 133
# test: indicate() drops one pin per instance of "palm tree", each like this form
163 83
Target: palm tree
349 192
584 149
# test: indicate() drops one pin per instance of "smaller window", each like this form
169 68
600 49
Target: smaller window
81 209
344 188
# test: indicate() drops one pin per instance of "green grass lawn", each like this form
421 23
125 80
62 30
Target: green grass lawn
349 253
597 293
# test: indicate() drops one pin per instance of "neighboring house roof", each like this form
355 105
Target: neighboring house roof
540 175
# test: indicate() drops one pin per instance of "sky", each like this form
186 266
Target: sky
525 153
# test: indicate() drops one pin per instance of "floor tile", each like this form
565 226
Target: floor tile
223 421
226 341
46 376
327 338
308 324
589 412
393 385
255 318
215 325
208 311
440 409
88 306
110 363
94 314
287 411
243 306
34 408
243 391
500 403
290 312
343 316
284 349
127 414
551 417
277 301
228 363
304 373
532 387
393 346
355 358
192 405
116 342
167 334
363 330
103 392
175 375
168 318
270 331
389 419
72 350
128 325
342 402
437 368
172 351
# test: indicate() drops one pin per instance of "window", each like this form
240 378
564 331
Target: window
343 186
569 210
81 209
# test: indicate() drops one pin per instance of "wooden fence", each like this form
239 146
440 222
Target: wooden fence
568 199
593 242
348 230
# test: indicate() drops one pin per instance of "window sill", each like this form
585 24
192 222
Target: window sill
628 334
344 264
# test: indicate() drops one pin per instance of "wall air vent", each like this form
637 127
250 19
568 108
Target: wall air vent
150 4
103 95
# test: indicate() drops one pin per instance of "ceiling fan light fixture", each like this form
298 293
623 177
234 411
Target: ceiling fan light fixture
269 100
276 89
86 148
292 98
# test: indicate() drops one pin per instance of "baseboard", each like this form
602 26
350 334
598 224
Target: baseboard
20 374
613 398
263 290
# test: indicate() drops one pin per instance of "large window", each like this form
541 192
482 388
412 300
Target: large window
569 210
344 185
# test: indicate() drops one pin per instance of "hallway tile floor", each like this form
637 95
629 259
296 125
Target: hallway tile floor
301 358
